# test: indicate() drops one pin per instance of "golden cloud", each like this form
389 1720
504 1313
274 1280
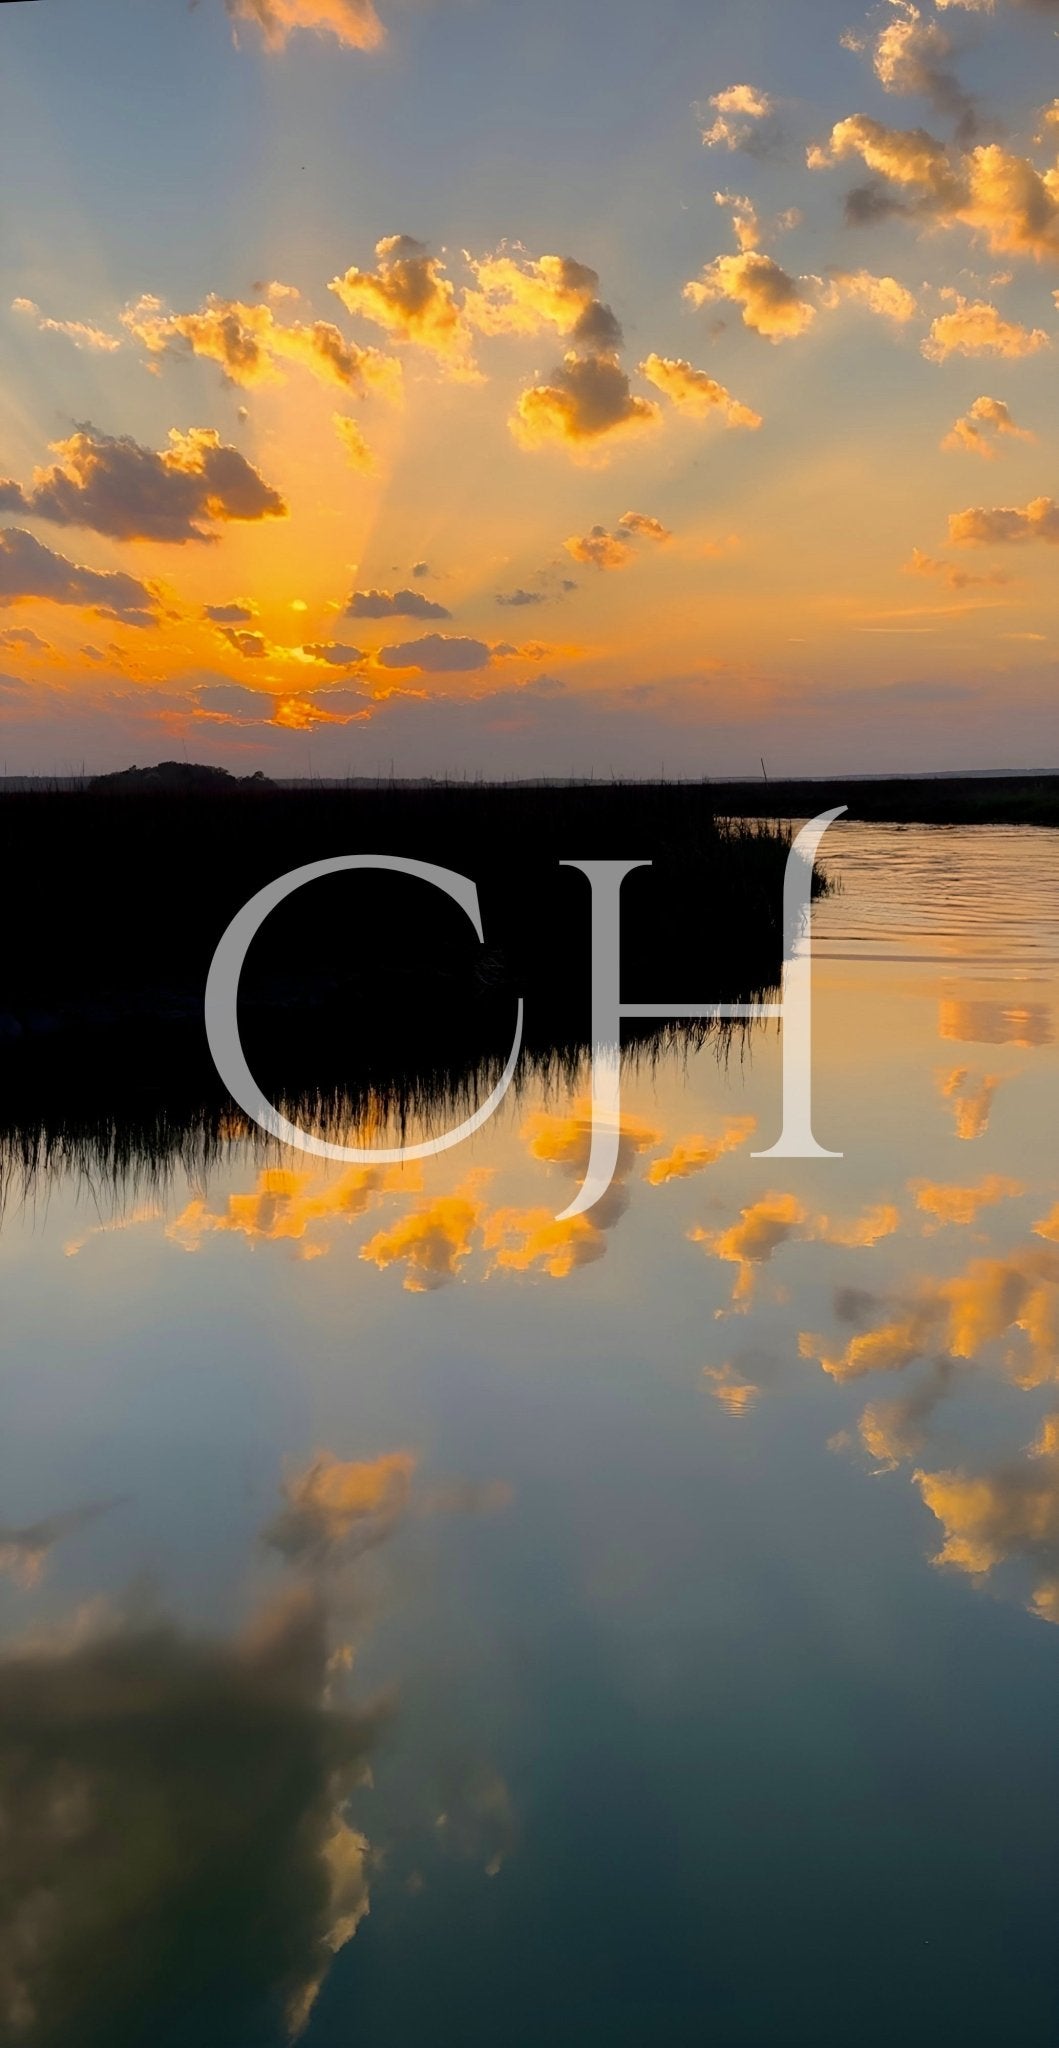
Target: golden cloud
29 570
976 328
411 297
433 1242
735 1394
250 344
354 23
1000 525
523 295
80 332
288 1207
972 1100
882 295
772 303
351 437
737 108
694 1155
587 403
1010 1513
695 393
962 1205
1002 197
979 429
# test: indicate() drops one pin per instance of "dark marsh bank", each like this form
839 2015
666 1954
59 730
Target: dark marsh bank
362 989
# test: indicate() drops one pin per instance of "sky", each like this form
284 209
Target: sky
500 387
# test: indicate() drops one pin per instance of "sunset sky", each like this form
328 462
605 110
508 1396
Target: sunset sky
526 386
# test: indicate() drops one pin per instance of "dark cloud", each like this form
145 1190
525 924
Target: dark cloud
114 486
25 1552
516 598
333 652
438 653
228 614
28 569
394 604
177 1866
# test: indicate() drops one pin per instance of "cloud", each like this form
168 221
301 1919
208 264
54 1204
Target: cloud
962 1205
983 1022
354 23
1002 524
694 1155
523 295
24 1553
762 1229
78 331
971 1099
1011 1512
599 549
333 1511
438 654
250 344
528 1240
976 328
882 295
771 301
411 297
736 1395
432 1243
588 401
911 56
229 614
988 190
351 436
737 109
30 570
695 393
950 572
393 604
747 226
114 486
206 1782
1015 1297
21 636
334 653
980 428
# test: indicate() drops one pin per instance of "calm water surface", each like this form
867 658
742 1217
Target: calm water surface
426 1625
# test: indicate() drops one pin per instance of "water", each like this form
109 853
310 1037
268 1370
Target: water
424 1623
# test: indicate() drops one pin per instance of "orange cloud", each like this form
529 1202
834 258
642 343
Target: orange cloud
289 1207
695 393
962 1205
433 1242
976 328
694 1155
411 297
772 303
980 428
972 1100
80 332
587 404
351 436
250 344
998 525
354 23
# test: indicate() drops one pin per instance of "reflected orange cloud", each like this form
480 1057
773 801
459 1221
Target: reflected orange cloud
334 1510
962 1205
736 1395
990 1023
434 1241
1016 1296
972 1100
287 1206
1010 1513
522 1239
776 1220
694 1155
